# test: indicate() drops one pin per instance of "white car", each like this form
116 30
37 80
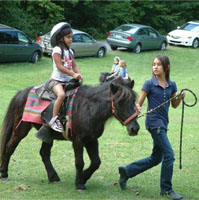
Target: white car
185 35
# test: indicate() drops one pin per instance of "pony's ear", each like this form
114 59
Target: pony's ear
114 88
131 84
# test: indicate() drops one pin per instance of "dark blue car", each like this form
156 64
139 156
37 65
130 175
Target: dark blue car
17 46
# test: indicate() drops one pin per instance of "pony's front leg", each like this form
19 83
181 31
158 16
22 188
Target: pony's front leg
45 154
79 164
92 149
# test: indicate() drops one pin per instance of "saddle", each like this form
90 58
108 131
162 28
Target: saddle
44 92
105 76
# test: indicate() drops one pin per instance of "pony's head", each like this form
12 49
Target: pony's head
123 104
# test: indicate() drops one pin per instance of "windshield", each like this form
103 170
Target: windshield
128 29
190 27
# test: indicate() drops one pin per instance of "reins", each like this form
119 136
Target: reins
182 116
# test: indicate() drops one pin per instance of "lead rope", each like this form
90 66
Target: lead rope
182 121
153 109
182 116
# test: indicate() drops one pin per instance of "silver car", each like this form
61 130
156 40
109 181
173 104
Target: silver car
83 45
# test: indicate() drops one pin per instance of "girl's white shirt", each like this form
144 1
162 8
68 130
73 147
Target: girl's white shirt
66 62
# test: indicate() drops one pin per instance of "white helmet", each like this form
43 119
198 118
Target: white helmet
117 58
56 30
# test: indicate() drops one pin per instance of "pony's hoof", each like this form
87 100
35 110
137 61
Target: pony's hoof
4 179
81 190
55 182
81 187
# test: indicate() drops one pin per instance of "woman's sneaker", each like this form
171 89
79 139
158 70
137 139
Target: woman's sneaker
123 177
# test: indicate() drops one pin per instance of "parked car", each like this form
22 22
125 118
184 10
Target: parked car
185 35
15 45
136 37
83 45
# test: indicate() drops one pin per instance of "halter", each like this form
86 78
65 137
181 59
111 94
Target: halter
129 119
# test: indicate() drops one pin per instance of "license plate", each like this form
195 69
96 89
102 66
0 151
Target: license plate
46 43
118 36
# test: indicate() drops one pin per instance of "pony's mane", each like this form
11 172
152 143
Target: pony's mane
93 92
124 92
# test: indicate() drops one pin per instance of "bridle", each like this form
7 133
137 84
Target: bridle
129 119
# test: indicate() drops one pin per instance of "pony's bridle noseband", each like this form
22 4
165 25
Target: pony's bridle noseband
129 119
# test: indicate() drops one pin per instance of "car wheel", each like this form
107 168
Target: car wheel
137 48
35 57
195 43
163 46
113 47
101 53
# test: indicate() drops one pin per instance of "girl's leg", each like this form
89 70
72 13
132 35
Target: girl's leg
162 141
59 91
142 165
139 166
55 122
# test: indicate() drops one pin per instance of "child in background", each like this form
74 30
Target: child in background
116 65
115 68
123 72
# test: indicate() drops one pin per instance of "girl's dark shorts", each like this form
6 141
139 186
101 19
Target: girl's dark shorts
51 83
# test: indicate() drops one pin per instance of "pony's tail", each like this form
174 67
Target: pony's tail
13 117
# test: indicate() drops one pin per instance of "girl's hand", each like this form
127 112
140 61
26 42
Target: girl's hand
182 95
138 108
81 79
77 76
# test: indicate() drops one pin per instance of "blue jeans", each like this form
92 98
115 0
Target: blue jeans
162 151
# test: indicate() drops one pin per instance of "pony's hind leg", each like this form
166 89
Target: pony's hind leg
92 150
16 136
45 155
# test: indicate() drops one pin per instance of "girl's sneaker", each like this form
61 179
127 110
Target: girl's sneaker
56 125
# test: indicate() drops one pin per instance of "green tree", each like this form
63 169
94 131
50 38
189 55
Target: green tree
96 17
32 17
99 17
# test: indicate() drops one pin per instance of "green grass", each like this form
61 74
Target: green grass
116 147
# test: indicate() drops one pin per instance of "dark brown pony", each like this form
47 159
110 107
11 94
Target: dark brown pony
93 106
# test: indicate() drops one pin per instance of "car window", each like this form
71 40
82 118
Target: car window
142 32
152 33
190 27
22 38
8 37
129 29
77 38
86 38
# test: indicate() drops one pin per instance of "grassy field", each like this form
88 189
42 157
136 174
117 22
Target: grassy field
116 147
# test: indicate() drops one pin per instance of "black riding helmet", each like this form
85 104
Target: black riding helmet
58 31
